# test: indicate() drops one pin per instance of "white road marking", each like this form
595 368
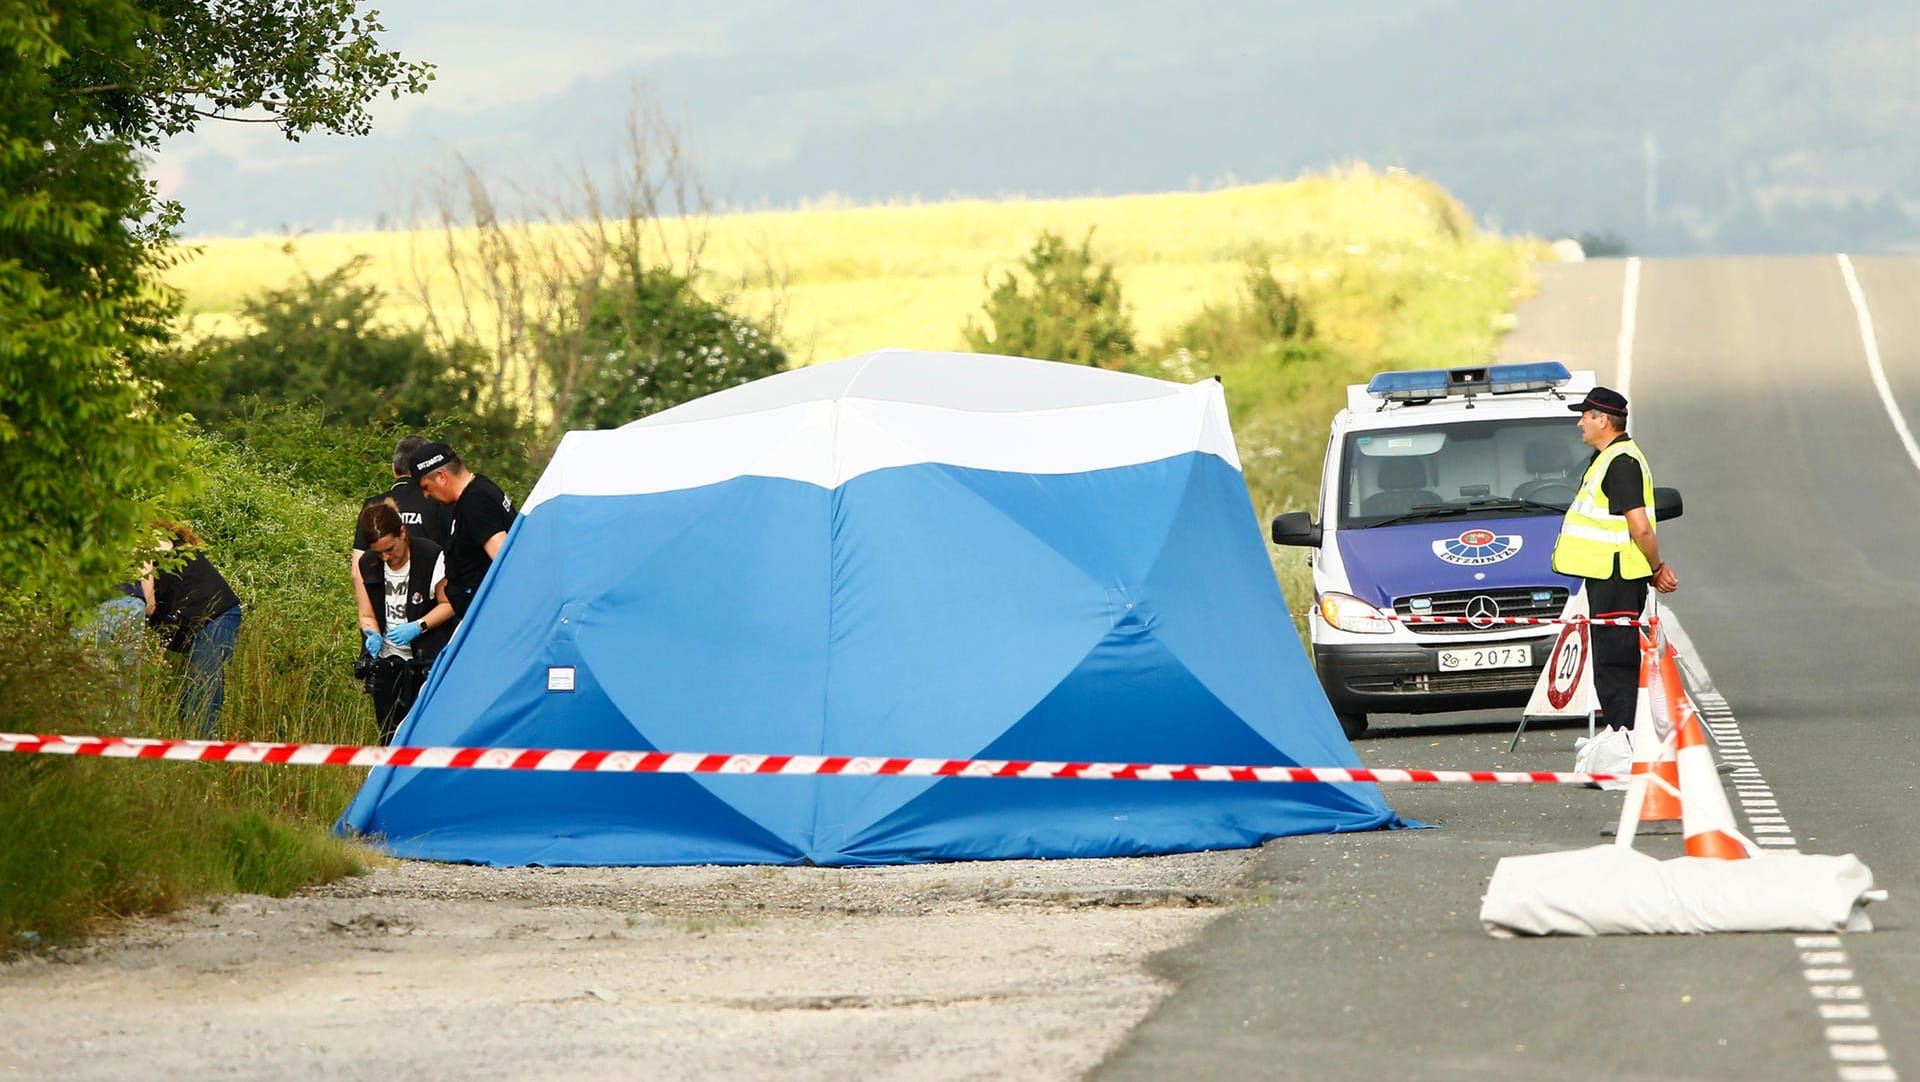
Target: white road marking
1629 322
1874 368
1696 674
1855 1049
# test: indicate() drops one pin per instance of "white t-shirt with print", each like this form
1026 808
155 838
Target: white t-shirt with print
397 600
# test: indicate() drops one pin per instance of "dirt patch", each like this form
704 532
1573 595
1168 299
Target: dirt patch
1031 969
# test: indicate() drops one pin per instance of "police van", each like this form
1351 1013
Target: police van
1442 495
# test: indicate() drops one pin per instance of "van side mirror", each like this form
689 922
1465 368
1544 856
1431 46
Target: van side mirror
1297 528
1666 504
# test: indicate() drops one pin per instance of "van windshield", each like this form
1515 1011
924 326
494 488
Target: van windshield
1494 468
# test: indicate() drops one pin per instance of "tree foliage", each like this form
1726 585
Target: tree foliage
300 65
86 455
316 372
81 448
651 341
320 342
1067 307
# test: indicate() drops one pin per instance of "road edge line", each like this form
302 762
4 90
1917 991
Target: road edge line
1874 368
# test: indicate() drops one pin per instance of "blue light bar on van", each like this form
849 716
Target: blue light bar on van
1430 383
1409 386
1518 378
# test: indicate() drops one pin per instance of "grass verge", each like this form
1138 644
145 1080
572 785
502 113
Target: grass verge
87 840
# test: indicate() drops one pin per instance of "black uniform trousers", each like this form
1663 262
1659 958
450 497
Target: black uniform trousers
1616 650
395 684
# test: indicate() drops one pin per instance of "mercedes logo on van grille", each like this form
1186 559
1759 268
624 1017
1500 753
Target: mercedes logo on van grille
1482 611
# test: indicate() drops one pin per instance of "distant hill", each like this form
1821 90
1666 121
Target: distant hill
1730 126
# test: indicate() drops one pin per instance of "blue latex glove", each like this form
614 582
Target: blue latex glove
374 642
406 633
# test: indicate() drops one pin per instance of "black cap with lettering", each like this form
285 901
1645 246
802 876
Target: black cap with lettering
430 458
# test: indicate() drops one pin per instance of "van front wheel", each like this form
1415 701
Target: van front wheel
1352 724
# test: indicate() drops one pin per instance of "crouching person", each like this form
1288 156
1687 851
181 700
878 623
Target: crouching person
408 622
200 617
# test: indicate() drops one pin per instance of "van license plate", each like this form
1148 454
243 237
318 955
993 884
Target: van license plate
1487 657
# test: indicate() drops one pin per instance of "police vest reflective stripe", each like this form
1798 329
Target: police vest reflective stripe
1592 535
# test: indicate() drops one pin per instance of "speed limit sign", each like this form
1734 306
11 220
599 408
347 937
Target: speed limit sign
1567 665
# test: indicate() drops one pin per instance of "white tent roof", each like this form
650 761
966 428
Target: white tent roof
975 382
828 423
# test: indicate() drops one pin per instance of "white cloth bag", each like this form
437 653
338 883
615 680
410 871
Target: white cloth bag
1614 890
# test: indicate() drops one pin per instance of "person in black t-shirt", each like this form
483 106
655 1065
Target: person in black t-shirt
482 515
1623 488
200 614
424 519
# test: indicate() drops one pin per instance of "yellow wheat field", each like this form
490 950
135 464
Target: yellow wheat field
856 278
1392 269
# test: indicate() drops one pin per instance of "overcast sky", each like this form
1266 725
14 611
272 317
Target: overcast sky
1542 115
784 100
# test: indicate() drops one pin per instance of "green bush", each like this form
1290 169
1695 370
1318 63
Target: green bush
1269 321
320 342
346 461
320 386
649 342
1067 307
300 448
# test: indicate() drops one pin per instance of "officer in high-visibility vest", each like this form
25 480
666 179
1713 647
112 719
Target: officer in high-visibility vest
1607 538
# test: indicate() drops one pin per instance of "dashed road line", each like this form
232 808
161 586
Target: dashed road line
1853 1040
1855 1046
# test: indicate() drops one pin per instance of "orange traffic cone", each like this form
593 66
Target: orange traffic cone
1707 818
1653 754
1667 679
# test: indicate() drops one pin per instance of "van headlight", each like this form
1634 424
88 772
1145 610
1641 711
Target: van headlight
1349 613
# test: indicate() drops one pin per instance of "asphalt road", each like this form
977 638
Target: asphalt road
1751 391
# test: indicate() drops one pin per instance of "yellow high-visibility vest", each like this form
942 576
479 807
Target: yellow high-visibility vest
1592 535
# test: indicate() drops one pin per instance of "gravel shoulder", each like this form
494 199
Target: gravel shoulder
1031 969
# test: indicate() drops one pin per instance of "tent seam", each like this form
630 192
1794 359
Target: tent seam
826 650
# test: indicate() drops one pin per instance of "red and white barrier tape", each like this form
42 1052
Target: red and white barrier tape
661 762
1492 621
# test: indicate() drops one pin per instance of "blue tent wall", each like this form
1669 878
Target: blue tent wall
1127 614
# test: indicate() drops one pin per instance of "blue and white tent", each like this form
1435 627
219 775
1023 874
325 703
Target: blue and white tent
897 554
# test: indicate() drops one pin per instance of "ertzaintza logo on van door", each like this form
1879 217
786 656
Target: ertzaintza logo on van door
1477 546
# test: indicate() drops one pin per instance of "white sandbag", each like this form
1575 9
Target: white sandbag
1613 890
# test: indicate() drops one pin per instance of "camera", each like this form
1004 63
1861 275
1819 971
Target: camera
364 670
369 669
